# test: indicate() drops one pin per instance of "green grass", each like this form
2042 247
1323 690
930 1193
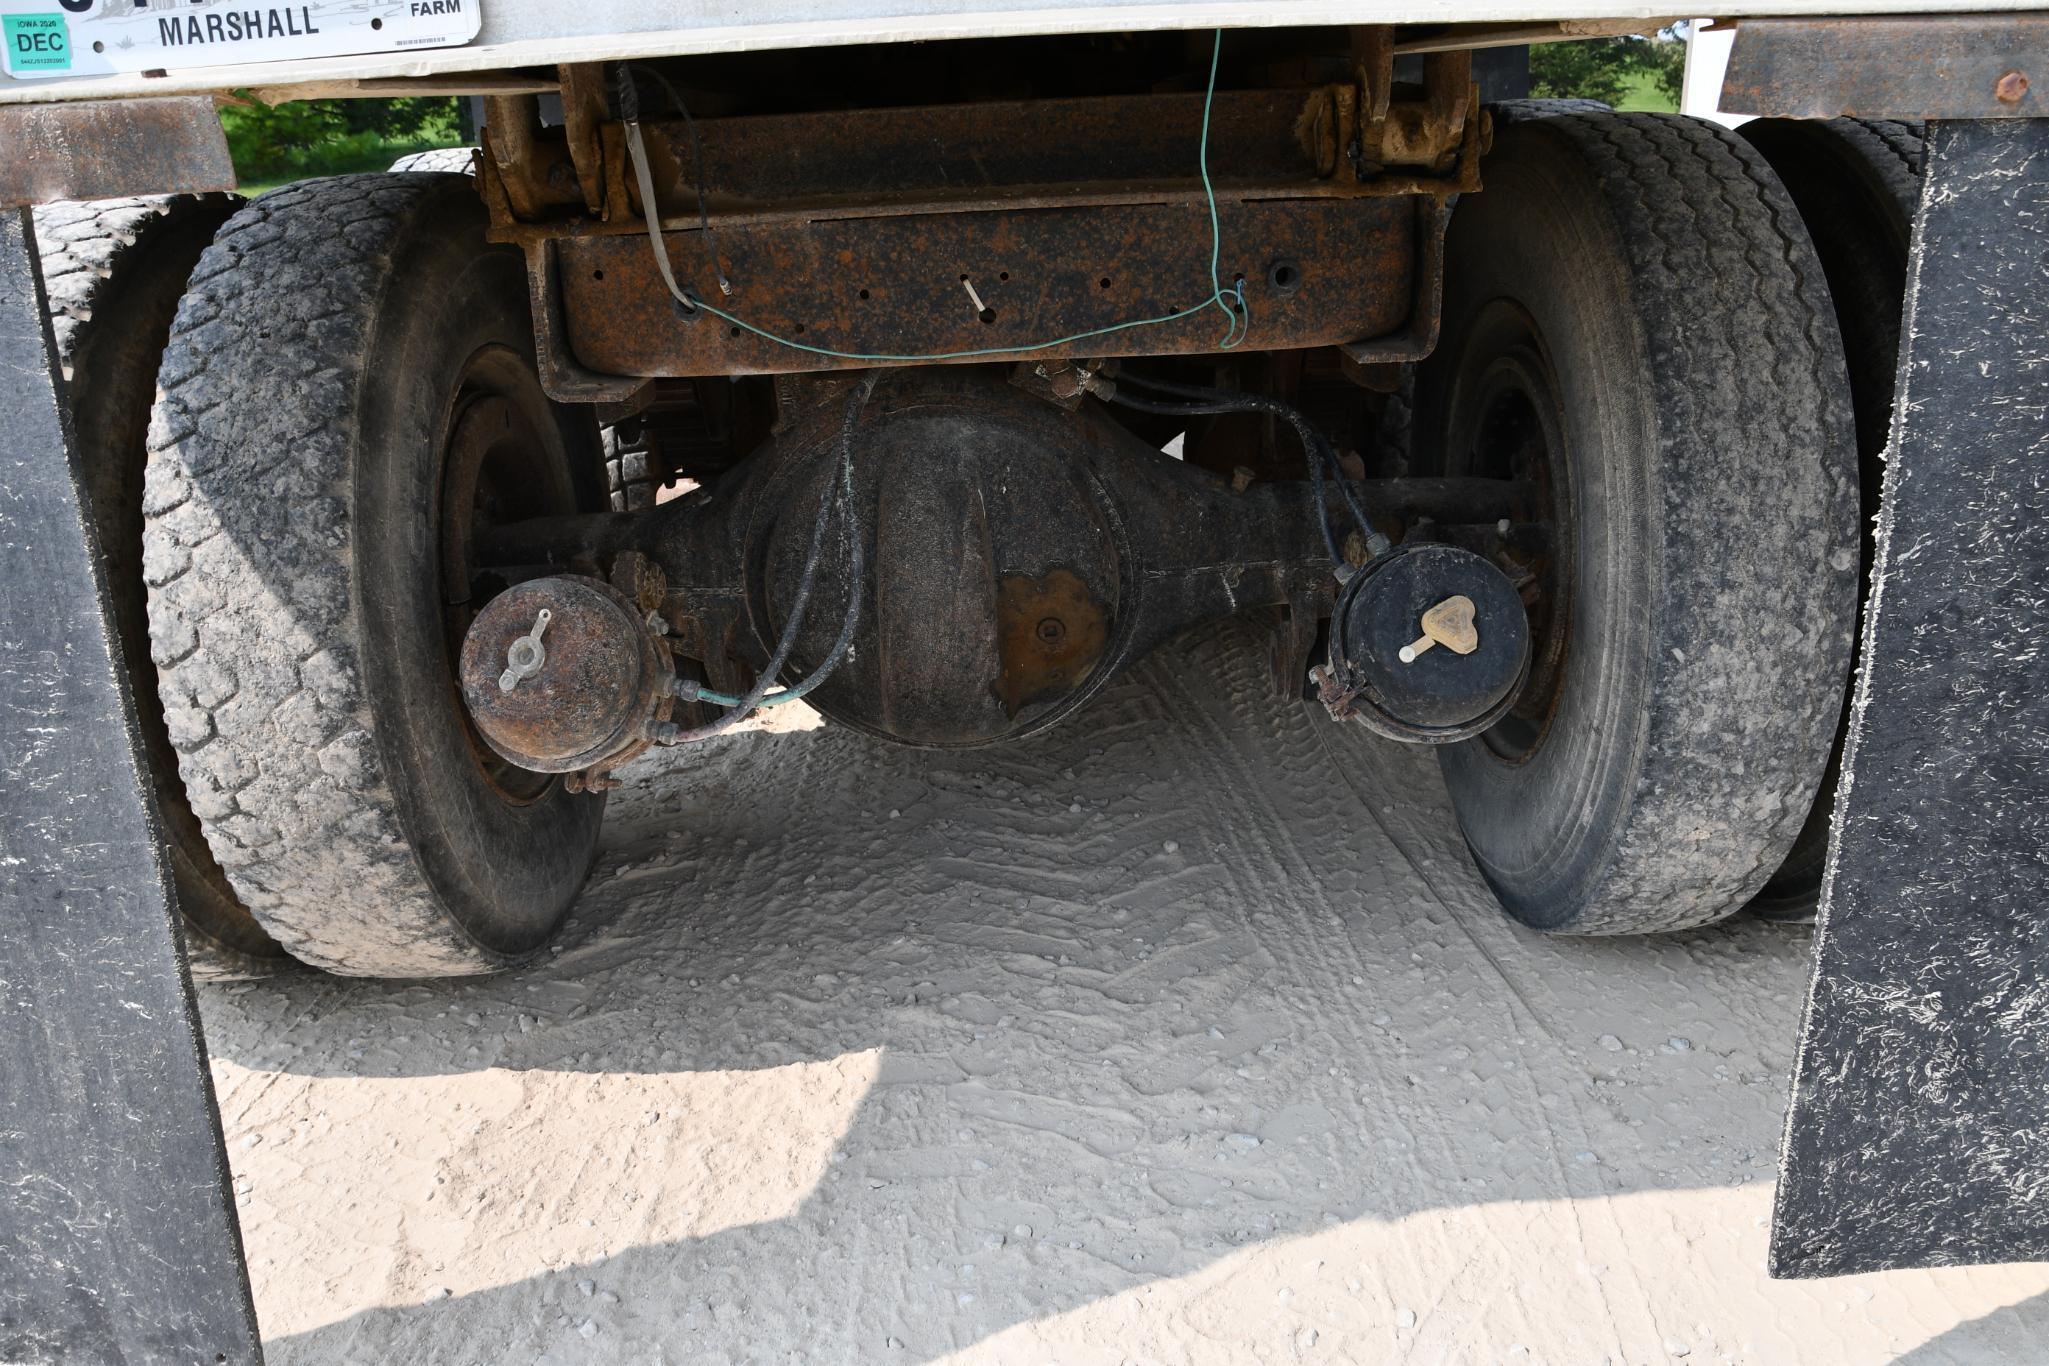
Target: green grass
1642 95
345 158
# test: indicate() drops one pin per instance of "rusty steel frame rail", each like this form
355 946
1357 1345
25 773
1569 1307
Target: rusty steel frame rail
1925 66
959 228
1315 272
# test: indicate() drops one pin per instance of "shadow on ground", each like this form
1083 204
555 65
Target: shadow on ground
1083 1046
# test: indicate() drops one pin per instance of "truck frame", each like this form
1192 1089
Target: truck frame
1685 487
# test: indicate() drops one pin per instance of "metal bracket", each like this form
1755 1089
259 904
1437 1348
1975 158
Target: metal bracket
1926 66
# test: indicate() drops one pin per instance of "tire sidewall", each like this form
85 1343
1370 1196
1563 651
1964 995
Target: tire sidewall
503 870
1537 826
1712 499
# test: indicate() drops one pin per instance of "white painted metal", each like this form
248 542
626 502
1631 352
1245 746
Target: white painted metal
109 37
542 33
1707 57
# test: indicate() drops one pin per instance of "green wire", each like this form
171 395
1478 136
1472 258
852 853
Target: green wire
1237 323
1234 332
719 699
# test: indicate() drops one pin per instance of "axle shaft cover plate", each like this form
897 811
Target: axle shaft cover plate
1429 644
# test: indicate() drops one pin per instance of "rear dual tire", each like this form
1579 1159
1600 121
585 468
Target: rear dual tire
1635 317
348 390
1857 184
113 271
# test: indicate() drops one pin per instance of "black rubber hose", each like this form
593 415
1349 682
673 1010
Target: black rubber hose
857 550
838 493
1146 405
1314 445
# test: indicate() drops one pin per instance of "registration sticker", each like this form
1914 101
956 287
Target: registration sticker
37 44
100 37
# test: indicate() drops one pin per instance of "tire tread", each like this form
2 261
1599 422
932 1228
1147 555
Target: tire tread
251 598
1747 361
92 253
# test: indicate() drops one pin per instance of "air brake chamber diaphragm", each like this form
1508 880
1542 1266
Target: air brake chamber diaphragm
1429 644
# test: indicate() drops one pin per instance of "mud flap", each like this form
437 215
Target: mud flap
1919 1129
118 1240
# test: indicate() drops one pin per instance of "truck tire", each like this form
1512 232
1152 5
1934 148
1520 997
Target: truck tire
1509 112
113 270
348 391
1634 318
455 160
1857 184
630 477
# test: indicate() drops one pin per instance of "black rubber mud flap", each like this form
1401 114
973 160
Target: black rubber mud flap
118 1240
1919 1132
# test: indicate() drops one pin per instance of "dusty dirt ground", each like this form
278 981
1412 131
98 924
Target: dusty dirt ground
1184 1034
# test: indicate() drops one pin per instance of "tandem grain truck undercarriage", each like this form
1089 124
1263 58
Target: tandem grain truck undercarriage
1685 487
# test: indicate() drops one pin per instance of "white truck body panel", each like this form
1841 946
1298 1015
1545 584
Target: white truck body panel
544 33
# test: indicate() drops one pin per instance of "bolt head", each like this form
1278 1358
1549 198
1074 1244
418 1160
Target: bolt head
2010 88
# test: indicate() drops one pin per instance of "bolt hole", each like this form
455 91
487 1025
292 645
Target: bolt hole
377 23
1103 283
99 47
987 315
597 275
798 329
1284 277
864 293
1003 275
733 332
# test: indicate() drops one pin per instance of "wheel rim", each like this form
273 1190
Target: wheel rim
1507 423
498 466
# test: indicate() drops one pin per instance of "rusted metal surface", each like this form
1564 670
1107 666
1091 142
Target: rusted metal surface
511 150
562 375
1051 632
897 286
1373 49
965 228
534 168
991 152
584 111
1416 337
1365 132
172 145
1977 66
1357 126
1021 552
564 675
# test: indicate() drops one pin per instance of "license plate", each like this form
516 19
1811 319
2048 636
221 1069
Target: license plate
49 38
